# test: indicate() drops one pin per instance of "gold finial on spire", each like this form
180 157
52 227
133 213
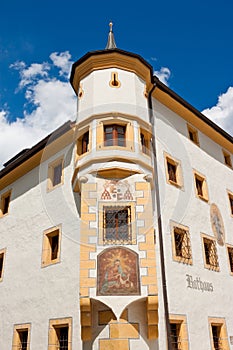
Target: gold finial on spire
110 26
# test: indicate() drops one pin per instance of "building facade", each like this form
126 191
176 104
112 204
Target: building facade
116 229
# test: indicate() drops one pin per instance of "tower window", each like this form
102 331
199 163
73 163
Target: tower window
114 135
114 82
145 138
85 142
117 224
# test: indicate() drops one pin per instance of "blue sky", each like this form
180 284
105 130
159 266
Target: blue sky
189 44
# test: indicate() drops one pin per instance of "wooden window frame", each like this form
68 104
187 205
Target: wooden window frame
115 135
214 265
51 167
227 158
194 132
16 335
112 119
223 337
181 321
178 180
186 251
3 256
5 195
55 324
201 178
47 246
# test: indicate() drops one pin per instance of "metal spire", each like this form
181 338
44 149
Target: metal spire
111 44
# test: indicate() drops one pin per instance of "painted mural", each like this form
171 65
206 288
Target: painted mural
118 272
116 190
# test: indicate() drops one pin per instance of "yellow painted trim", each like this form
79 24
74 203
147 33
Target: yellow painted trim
209 266
183 260
46 248
201 177
183 332
16 339
179 176
56 324
221 322
51 166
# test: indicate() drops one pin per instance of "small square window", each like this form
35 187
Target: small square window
55 174
60 334
201 186
210 254
21 338
5 203
173 171
227 159
230 196
51 246
2 259
181 245
230 257
218 331
193 135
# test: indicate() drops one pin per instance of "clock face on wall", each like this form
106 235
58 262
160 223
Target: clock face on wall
217 224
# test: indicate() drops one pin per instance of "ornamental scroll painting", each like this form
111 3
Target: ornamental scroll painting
217 224
118 272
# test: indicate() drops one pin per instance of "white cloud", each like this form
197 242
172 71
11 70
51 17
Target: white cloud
62 61
29 74
222 113
50 103
163 74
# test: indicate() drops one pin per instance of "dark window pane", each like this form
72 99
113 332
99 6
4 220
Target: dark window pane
1 264
199 184
54 241
85 142
171 171
62 335
57 174
6 202
23 337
